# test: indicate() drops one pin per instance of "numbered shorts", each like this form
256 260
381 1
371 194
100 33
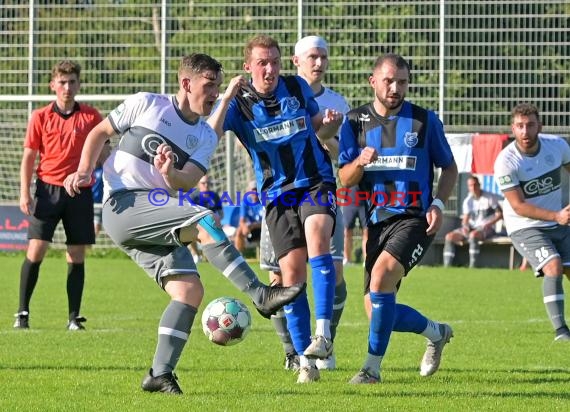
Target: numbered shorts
403 236
149 233
268 261
541 245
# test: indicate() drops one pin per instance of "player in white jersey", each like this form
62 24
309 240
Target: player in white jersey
311 60
165 148
481 212
528 172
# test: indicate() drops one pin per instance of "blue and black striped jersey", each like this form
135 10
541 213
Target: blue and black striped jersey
409 145
277 132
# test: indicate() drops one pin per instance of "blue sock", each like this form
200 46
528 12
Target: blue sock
298 317
324 283
407 319
381 322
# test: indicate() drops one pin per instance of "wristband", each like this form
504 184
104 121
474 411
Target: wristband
438 203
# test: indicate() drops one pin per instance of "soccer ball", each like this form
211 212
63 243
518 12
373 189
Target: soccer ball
226 321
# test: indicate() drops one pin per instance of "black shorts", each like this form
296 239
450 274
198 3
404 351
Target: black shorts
286 215
403 236
352 212
53 205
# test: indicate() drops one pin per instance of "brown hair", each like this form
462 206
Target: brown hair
198 63
393 58
525 109
65 67
261 40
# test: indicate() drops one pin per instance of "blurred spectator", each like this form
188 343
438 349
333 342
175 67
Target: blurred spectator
250 216
481 212
205 196
352 212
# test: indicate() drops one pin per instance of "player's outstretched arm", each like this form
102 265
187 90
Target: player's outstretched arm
216 119
92 148
516 199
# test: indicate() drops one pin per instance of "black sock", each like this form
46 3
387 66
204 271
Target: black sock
29 274
75 282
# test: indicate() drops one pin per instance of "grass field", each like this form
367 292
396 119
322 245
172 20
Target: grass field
502 358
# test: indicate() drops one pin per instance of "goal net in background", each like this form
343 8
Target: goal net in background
471 60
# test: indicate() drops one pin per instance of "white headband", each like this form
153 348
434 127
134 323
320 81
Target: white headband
309 42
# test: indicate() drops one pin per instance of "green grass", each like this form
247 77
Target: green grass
502 357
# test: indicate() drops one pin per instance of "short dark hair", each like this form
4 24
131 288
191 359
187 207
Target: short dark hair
525 109
197 63
474 178
65 67
393 58
261 40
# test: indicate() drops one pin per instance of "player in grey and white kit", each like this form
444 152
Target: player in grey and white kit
165 148
481 212
528 172
311 60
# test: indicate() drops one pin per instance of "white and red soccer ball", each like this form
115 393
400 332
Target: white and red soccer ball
226 321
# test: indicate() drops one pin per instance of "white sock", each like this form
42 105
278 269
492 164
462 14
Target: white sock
372 364
432 331
323 328
305 362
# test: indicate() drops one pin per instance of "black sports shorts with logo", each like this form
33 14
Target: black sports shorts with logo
403 236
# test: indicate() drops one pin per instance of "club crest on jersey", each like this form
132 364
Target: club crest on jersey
191 141
150 143
549 160
364 117
411 139
293 104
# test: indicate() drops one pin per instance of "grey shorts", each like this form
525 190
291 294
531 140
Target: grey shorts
149 233
540 245
97 213
268 261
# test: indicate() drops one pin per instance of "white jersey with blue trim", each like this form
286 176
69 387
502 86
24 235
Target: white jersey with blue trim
538 176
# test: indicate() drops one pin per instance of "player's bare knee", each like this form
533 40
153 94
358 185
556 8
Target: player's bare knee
185 289
553 267
75 253
188 234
